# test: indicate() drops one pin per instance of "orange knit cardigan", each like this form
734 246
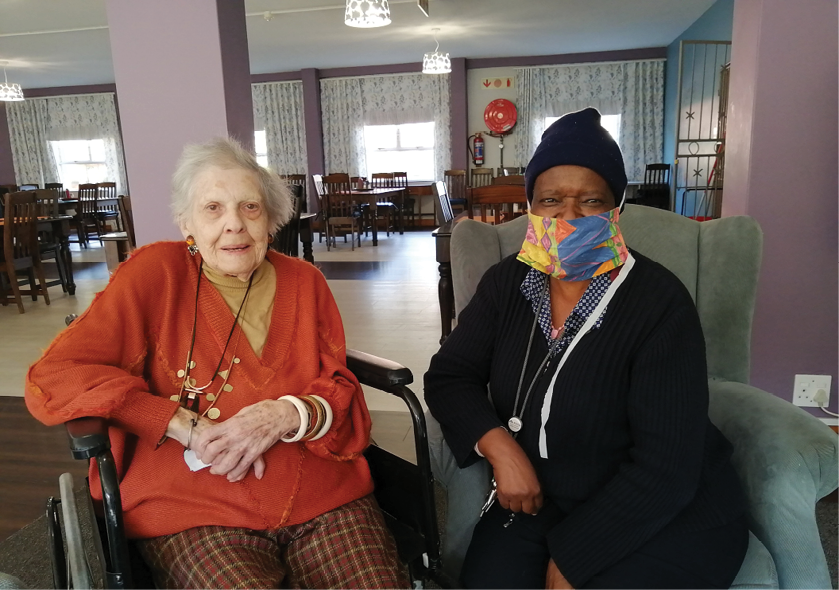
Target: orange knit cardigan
120 359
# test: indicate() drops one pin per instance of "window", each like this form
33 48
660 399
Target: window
611 123
260 147
80 161
401 148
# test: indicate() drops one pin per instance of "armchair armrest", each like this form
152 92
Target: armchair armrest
378 372
88 437
786 460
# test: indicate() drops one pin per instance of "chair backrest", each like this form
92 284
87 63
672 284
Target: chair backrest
106 190
444 211
29 187
286 238
400 179
456 184
510 171
299 180
657 174
55 185
87 199
481 177
382 180
718 261
20 223
126 213
47 200
512 179
501 199
337 200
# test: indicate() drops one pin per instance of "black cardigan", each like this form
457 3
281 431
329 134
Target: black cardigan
630 446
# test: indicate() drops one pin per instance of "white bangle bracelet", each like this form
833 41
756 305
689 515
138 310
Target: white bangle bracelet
304 418
327 423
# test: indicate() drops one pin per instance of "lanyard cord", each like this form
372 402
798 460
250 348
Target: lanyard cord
515 421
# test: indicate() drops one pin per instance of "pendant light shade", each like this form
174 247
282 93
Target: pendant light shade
366 14
9 92
436 62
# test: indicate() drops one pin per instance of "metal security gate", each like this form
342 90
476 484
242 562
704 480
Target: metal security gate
700 132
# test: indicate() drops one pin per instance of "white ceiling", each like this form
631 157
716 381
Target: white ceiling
311 33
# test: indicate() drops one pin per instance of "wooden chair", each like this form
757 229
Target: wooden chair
317 179
20 248
655 191
86 217
481 177
514 179
385 210
120 245
456 188
287 238
501 199
48 244
109 211
341 215
444 211
298 180
510 170
406 203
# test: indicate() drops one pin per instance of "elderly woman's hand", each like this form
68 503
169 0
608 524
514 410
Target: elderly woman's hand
234 445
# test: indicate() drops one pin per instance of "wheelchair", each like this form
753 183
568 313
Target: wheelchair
404 491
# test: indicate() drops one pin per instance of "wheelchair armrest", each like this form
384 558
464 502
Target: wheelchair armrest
378 372
88 437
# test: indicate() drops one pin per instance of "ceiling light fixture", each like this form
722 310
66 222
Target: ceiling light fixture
436 62
9 92
366 14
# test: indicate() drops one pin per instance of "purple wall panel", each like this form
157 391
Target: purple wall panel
235 65
68 90
781 169
567 58
7 165
459 121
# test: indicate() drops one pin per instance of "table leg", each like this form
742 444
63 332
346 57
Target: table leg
374 218
445 294
307 237
67 257
402 213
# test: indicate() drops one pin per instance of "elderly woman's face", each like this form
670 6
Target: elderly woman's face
228 221
570 192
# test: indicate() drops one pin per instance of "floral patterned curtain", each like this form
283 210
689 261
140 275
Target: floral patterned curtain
343 126
347 104
35 122
31 154
635 90
278 109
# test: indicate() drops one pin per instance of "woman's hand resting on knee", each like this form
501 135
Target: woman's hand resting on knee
555 579
519 489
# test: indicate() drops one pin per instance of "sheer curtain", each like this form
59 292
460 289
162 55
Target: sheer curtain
33 123
348 104
634 90
412 98
278 108
343 126
33 159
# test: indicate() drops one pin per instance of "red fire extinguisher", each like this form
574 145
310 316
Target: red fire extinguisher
478 150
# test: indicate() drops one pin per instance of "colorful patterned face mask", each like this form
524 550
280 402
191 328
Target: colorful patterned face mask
575 250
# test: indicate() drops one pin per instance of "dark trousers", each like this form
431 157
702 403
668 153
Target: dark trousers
516 556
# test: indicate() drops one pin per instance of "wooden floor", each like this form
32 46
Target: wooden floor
34 455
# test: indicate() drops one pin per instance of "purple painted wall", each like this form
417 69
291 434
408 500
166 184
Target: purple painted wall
459 120
7 165
314 131
169 64
566 58
68 90
237 79
781 169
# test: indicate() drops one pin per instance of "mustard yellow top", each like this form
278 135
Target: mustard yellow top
255 319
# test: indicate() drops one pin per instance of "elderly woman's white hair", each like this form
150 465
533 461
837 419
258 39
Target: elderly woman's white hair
224 152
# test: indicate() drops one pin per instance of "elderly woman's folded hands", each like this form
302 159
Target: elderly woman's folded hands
236 444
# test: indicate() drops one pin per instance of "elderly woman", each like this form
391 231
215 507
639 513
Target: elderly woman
607 469
236 427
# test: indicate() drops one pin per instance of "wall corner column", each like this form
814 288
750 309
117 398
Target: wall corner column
314 131
458 120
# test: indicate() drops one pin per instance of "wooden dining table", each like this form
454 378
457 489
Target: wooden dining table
372 197
59 225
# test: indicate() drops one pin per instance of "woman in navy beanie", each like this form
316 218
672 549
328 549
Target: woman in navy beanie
578 372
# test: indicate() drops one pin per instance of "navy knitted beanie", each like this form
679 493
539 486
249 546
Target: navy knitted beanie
578 139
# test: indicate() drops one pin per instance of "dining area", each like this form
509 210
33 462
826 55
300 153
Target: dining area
37 227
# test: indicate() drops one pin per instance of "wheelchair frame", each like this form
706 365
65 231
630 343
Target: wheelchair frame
405 492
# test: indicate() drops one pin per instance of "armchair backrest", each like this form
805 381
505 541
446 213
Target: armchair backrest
718 261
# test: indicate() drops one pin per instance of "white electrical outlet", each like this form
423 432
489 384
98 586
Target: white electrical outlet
807 387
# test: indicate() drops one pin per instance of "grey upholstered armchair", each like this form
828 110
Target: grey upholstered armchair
786 458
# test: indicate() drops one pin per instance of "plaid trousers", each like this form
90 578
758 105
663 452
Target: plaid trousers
349 547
